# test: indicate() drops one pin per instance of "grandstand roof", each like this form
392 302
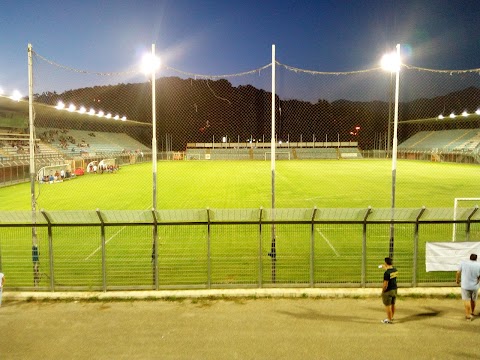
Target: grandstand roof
21 107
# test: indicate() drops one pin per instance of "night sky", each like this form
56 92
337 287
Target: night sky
225 37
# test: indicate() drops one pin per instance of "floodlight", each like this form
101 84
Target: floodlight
124 118
100 113
116 117
440 116
477 112
452 115
108 116
390 62
91 111
150 63
465 113
16 96
82 110
71 108
60 105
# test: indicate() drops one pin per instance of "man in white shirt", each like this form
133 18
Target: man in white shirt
469 271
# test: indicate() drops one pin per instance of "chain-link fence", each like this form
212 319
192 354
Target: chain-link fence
220 248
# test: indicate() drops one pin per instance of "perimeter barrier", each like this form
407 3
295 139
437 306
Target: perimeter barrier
224 248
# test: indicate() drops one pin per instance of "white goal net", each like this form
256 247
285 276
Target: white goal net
279 155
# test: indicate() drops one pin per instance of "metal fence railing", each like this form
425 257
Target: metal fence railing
221 248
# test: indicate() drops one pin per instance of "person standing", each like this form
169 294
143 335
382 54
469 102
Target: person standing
2 281
389 289
469 274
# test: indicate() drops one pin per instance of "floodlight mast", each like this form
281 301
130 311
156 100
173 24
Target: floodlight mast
273 251
35 260
392 63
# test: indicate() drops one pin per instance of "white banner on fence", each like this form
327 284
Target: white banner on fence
446 256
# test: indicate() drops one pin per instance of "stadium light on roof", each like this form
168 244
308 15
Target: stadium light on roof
60 105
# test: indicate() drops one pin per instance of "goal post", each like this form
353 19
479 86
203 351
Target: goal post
43 175
279 155
460 204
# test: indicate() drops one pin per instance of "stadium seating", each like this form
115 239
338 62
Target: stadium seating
443 141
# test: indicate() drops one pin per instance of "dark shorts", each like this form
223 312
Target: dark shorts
389 297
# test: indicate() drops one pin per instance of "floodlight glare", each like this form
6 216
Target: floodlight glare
71 108
440 116
16 96
60 105
100 113
477 112
124 118
390 62
82 110
116 117
150 63
1 91
91 111
108 116
452 115
465 113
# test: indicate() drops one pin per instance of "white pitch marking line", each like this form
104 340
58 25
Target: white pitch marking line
106 242
328 242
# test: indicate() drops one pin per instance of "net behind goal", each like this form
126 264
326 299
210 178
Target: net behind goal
279 155
463 209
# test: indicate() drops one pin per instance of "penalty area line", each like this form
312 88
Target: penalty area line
106 242
328 242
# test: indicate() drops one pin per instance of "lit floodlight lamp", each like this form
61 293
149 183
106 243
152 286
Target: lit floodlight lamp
91 112
477 112
82 110
452 115
60 105
224 139
390 62
464 114
440 116
16 96
150 63
116 117
72 108
124 118
100 113
108 116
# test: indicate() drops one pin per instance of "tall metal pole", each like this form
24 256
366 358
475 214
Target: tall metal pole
394 154
35 259
154 136
273 252
389 135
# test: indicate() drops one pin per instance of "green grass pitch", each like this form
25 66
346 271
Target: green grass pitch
235 257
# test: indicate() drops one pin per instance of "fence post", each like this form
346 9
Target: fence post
260 265
364 248
415 247
104 266
50 249
209 266
467 235
312 249
155 250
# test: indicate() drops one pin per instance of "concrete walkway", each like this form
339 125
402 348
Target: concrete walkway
227 293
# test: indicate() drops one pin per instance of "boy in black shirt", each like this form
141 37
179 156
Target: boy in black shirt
389 289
